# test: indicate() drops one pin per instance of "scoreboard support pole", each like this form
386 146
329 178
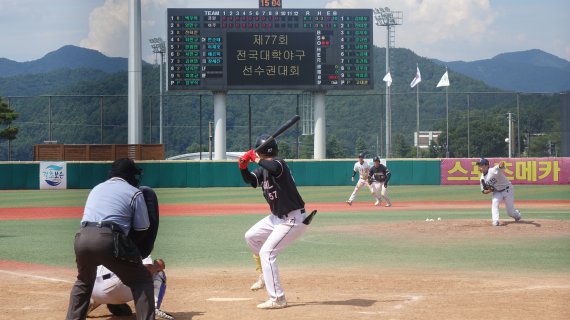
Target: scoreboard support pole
220 100
320 143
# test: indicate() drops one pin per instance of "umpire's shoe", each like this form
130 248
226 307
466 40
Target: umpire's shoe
259 284
270 304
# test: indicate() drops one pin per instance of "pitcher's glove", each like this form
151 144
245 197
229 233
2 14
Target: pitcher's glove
490 188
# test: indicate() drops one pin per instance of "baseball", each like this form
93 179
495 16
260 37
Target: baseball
506 139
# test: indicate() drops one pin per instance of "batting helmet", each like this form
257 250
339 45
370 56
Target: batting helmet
127 169
270 149
361 155
376 159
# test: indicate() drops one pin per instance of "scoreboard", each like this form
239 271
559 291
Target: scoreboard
232 49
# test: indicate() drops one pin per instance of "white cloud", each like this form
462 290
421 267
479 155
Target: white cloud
108 29
431 25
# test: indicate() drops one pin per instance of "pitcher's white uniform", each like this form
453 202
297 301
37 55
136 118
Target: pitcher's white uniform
504 191
362 169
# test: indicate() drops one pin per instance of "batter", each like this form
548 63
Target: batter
268 237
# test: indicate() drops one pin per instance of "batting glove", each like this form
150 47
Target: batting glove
250 155
243 162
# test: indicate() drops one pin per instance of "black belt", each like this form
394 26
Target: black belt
107 276
102 224
281 216
507 188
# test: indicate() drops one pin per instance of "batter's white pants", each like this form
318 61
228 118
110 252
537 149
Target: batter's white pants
359 184
110 290
379 191
508 195
270 236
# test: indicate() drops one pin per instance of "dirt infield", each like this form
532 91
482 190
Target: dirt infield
332 293
32 291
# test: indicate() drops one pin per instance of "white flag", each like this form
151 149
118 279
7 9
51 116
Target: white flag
388 79
417 79
444 82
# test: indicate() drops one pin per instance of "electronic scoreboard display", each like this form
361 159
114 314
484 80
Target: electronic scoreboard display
232 49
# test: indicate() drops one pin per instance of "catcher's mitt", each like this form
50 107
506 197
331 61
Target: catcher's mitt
120 309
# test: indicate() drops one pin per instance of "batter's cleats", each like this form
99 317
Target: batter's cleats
377 203
349 202
159 314
270 304
388 205
519 216
496 223
259 284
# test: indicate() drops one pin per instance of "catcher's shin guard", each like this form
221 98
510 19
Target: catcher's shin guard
159 288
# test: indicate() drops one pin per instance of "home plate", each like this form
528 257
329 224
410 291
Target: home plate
227 299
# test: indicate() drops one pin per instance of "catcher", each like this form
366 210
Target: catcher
494 181
110 290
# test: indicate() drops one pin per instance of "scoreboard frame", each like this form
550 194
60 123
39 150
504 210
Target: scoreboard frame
255 49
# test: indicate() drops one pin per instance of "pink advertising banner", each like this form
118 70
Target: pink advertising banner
519 170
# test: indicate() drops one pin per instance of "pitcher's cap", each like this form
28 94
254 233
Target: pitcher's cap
482 162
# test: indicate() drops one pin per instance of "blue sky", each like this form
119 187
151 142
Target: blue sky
448 30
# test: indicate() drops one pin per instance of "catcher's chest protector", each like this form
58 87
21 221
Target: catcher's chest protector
147 244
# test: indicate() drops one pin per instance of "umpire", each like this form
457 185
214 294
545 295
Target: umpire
114 206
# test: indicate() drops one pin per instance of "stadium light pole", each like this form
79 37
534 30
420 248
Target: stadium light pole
158 46
386 18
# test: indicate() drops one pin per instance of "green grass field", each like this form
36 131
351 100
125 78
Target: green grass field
217 241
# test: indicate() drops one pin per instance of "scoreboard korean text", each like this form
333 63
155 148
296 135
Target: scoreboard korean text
232 49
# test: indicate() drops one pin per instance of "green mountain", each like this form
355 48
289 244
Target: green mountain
87 106
524 71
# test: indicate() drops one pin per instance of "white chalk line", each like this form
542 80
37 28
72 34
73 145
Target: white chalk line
228 299
25 275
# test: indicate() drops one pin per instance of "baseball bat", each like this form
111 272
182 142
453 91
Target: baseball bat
279 131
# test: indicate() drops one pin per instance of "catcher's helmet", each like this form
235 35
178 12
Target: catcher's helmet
270 149
127 169
376 159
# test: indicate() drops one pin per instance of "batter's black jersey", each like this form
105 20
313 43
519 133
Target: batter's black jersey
278 185
380 174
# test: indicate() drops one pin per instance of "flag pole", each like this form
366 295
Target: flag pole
418 120
447 121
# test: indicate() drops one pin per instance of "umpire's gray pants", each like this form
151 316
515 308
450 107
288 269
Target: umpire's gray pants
93 247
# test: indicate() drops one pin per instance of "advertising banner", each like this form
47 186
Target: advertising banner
53 175
457 171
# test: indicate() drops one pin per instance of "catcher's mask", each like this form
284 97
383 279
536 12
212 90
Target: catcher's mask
127 169
269 149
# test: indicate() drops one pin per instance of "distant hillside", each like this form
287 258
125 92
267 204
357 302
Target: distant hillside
67 57
524 71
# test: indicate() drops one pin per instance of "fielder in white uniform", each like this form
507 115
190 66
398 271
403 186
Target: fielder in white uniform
362 168
493 180
109 289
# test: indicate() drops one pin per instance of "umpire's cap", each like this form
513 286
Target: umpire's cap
127 169
482 162
270 149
